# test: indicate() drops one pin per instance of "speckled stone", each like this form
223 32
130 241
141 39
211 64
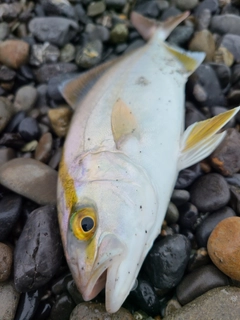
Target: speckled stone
119 33
6 259
60 120
219 303
30 178
14 53
96 311
89 54
223 247
9 298
25 98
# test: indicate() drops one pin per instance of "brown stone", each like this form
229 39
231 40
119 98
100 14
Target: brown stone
6 259
223 247
226 158
14 53
44 148
60 119
203 41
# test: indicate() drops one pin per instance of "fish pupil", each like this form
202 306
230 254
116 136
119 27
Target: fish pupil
87 224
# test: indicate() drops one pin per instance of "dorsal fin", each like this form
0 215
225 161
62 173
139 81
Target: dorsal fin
123 121
147 27
73 90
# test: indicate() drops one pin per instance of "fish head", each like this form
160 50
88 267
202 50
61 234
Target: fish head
110 226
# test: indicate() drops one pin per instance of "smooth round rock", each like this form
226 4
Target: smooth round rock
28 304
67 53
6 154
167 261
198 282
7 74
60 120
210 192
10 209
89 54
119 33
38 252
219 303
95 8
44 148
14 53
187 176
203 41
225 23
30 178
15 121
25 98
6 259
179 197
50 70
204 230
63 307
188 216
97 311
186 4
223 247
9 298
172 214
6 111
4 30
231 42
29 129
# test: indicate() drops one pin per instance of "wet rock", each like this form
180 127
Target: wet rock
25 98
167 260
198 259
116 4
12 140
223 247
203 41
223 73
226 23
187 176
48 71
56 30
58 8
6 259
148 8
38 251
10 209
44 148
67 53
235 198
60 284
207 79
30 178
43 53
198 282
172 214
6 111
96 311
211 5
181 35
6 154
231 42
90 54
14 53
119 33
43 311
15 121
186 4
226 158
73 291
63 307
60 120
95 8
216 303
7 74
180 197
145 297
28 305
188 216
29 129
210 192
8 300
4 30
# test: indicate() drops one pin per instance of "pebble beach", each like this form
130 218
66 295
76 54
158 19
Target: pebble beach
192 271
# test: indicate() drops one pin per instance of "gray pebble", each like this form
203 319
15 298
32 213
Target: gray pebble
181 35
43 53
7 74
54 83
48 71
58 8
186 4
192 114
223 73
90 54
9 298
210 192
4 30
97 32
172 214
211 5
6 112
67 53
179 197
235 198
56 30
204 19
226 23
95 8
232 43
25 99
30 178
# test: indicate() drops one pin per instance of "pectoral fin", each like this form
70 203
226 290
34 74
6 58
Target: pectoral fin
201 138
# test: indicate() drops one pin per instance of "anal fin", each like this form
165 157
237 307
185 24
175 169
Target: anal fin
201 138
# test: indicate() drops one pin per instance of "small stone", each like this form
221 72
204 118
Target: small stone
6 259
186 4
119 33
203 41
172 305
90 54
97 32
30 146
167 261
55 159
192 114
10 11
6 111
172 214
50 70
210 192
44 53
60 120
204 230
95 8
9 298
56 30
223 73
148 8
198 259
12 140
181 35
226 157
14 53
226 23
96 311
67 53
28 305
25 98
63 307
219 303
30 178
15 121
211 5
231 42
58 8
187 176
73 291
223 55
4 30
198 282
7 74
53 85
38 252
179 197
204 19
223 247
233 98
188 216
29 129
44 148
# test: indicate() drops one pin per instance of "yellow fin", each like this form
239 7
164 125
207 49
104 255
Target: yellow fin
190 60
123 121
201 138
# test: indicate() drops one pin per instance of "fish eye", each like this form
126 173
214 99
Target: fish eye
83 223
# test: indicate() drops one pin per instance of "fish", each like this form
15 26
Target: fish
124 149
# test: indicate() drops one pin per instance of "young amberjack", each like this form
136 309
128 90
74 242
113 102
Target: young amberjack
124 149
